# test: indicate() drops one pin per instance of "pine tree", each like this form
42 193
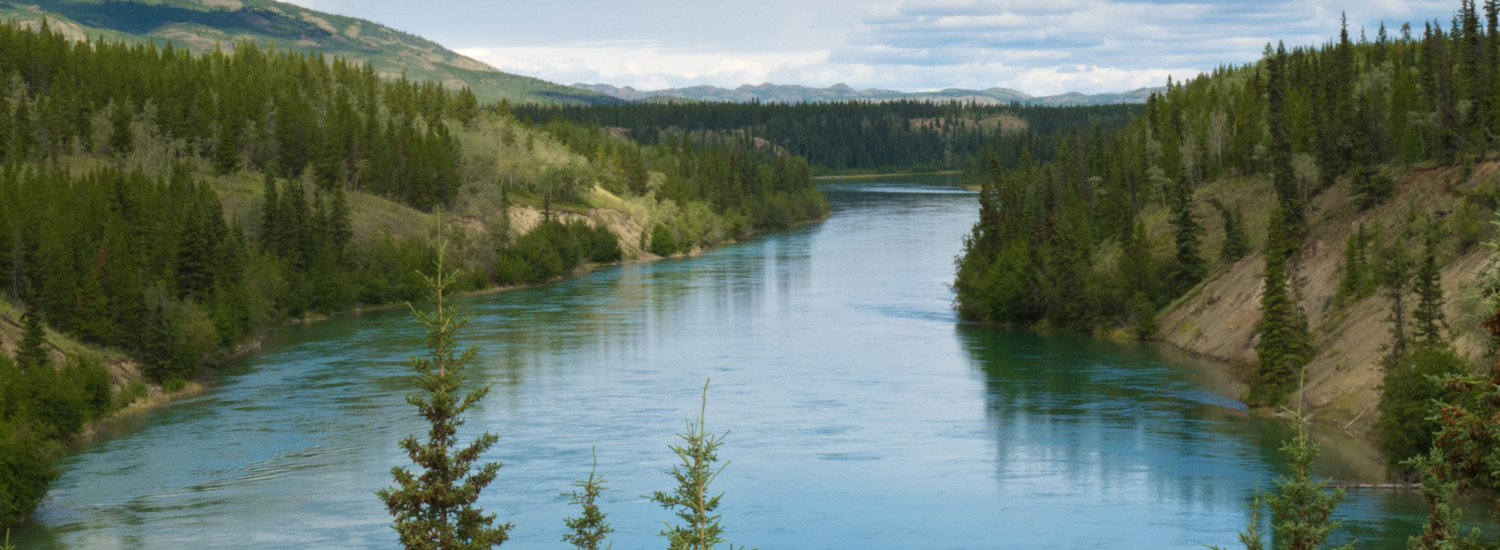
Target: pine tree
589 529
1301 508
434 508
691 499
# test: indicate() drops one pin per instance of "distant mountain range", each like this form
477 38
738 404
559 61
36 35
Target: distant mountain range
202 25
842 92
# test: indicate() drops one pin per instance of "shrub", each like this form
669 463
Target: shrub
663 242
553 249
1370 187
1406 400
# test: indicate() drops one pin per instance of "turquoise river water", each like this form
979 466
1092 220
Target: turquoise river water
862 414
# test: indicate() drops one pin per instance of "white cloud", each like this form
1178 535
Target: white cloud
642 65
1036 46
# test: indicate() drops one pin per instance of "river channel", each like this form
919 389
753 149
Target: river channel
861 414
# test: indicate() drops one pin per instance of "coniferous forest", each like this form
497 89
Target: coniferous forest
851 136
1114 227
162 207
161 211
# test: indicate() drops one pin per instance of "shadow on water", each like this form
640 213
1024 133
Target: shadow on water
1145 436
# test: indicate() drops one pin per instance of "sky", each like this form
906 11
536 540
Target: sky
1040 47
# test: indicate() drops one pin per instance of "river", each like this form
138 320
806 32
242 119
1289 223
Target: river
861 414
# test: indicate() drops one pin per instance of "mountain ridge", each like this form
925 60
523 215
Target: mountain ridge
791 93
203 25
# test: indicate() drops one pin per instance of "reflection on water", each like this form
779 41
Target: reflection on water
862 414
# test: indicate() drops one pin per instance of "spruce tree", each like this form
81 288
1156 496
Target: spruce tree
31 353
434 507
1443 520
1356 280
196 254
121 137
1285 179
1186 231
1285 343
270 216
1251 537
590 528
1301 508
226 154
1428 316
692 500
24 129
1468 442
1393 273
93 308
1236 244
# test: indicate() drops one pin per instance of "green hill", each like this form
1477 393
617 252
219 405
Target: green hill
202 25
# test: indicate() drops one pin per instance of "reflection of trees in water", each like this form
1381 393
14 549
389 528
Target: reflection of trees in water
1112 420
558 330
1104 421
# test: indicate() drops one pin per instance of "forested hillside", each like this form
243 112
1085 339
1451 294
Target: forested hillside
157 205
843 137
1321 208
202 26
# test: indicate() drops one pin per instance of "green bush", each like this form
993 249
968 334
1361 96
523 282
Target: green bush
1370 187
1467 225
93 384
554 249
25 470
663 242
1406 400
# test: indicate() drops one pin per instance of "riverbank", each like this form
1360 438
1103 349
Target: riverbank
154 396
886 175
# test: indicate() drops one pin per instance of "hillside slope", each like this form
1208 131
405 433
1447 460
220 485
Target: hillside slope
1217 319
202 25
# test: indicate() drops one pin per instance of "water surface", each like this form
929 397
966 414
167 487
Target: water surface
862 414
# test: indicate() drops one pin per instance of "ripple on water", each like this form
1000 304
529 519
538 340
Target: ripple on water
859 414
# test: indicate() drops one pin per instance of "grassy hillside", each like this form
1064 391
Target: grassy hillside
202 25
1217 319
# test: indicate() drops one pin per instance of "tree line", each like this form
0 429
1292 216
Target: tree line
840 136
